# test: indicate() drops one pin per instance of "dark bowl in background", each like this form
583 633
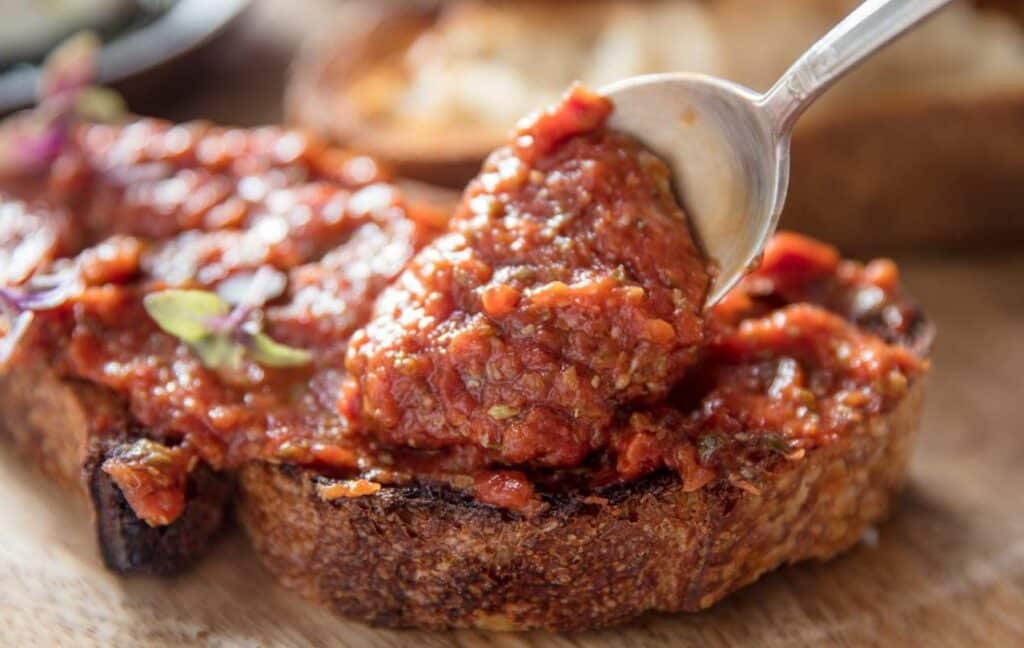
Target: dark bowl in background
144 58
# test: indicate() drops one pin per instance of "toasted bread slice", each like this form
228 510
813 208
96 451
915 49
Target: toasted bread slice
428 558
413 557
67 428
443 560
70 427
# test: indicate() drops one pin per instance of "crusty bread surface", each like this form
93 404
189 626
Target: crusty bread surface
413 557
67 428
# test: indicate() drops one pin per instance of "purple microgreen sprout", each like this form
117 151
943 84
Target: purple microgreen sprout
248 293
43 292
18 306
70 68
29 144
32 140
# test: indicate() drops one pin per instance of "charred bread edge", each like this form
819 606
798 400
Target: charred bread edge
131 546
416 557
431 558
67 428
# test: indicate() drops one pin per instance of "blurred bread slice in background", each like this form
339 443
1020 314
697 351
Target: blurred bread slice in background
923 145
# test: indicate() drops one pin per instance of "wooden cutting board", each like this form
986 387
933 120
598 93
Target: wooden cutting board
948 569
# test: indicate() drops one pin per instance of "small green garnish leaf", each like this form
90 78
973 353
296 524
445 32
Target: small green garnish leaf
267 352
222 337
186 314
219 352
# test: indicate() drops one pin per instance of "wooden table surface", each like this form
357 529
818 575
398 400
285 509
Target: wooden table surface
948 569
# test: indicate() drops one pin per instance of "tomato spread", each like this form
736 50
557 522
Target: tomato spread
566 287
549 336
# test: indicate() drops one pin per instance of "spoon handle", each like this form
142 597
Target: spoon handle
871 26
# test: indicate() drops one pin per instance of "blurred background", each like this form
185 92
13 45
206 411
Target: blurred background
922 147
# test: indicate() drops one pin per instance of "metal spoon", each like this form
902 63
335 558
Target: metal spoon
728 146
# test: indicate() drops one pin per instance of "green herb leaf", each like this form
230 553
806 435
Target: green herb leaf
219 352
266 351
186 314
222 338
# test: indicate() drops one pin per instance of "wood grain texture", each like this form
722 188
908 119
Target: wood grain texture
948 570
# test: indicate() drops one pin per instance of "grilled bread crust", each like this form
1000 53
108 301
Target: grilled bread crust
419 557
67 428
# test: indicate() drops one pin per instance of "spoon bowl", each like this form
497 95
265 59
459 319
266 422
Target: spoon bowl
728 146
729 166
